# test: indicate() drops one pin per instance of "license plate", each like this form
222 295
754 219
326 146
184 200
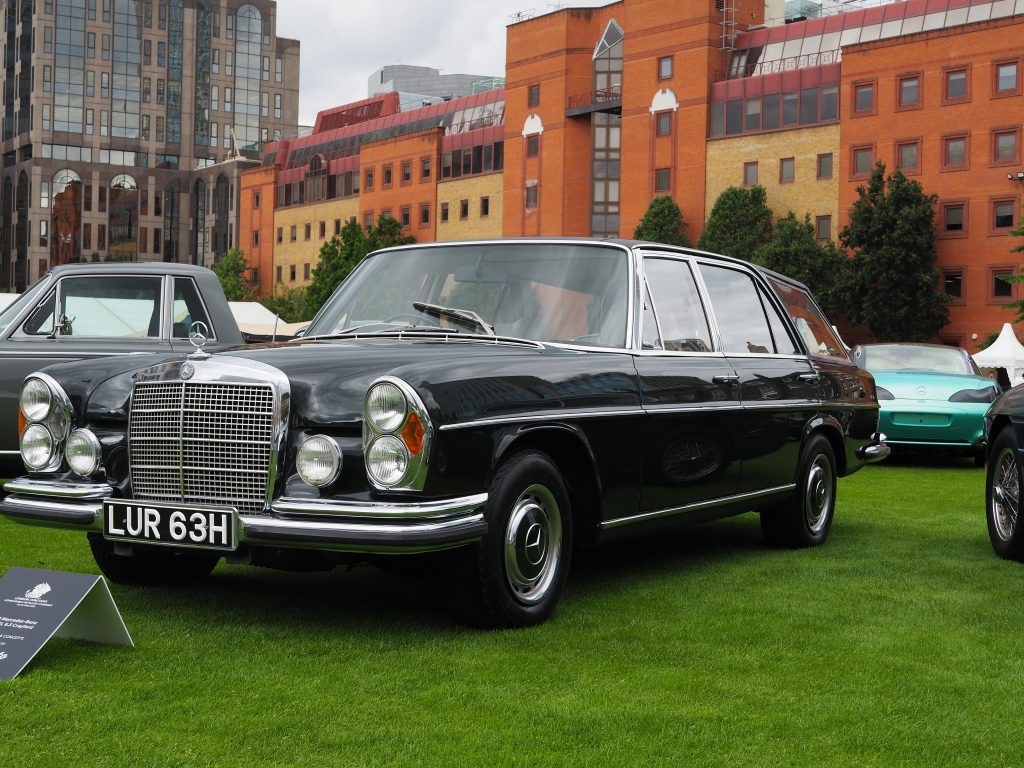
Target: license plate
178 525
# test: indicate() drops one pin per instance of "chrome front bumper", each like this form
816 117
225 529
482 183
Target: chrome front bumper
352 526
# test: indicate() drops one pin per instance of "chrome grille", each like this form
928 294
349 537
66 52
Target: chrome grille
201 443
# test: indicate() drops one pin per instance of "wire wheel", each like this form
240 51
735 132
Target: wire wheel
1005 498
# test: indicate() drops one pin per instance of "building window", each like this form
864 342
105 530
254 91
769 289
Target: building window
664 67
662 180
908 156
999 288
863 98
953 285
387 177
308 230
957 85
752 114
305 271
1005 146
863 159
823 227
368 221
463 210
444 212
368 180
406 172
531 196
532 145
908 94
485 207
533 95
425 169
663 122
279 274
255 199
280 234
323 230
337 227
787 170
291 267
1003 214
256 237
405 216
954 219
294 232
1007 78
750 174
424 214
954 152
825 166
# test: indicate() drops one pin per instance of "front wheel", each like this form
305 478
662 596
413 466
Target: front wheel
1002 497
148 566
516 573
805 519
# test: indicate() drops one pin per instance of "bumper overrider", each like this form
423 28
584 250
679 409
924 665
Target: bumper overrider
322 524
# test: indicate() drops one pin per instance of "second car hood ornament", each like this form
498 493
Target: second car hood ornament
198 335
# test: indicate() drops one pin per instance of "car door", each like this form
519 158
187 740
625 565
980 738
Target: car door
689 393
778 387
81 316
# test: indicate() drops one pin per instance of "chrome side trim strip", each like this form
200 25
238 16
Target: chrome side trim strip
556 416
63 489
620 521
292 507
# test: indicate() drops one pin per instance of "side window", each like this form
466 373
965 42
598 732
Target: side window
109 307
784 343
738 309
40 322
812 326
187 309
651 335
684 326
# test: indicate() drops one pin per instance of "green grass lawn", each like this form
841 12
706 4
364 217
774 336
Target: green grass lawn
898 643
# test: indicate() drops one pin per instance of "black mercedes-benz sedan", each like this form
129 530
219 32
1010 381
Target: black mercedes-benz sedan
507 400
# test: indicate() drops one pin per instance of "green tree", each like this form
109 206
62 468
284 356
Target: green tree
890 283
662 223
341 254
739 224
230 269
795 250
1018 305
290 304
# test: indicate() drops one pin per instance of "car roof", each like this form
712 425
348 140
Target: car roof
135 267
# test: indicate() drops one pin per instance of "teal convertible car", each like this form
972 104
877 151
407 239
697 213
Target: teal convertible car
931 396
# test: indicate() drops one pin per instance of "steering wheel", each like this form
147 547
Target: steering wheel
414 318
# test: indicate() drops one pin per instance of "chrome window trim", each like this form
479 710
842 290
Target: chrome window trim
14 327
709 311
161 334
670 511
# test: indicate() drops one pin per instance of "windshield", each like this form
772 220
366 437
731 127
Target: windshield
543 291
907 357
27 298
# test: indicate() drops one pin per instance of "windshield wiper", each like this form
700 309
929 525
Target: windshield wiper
388 328
467 317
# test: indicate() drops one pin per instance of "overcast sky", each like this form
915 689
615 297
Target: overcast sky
345 41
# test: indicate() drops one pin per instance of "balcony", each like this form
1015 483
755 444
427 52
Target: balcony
601 100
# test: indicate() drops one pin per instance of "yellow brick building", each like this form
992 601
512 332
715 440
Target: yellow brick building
470 208
299 233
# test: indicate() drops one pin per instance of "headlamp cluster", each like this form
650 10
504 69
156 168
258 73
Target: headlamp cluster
46 436
396 436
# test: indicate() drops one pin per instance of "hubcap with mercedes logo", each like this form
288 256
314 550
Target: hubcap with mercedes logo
533 544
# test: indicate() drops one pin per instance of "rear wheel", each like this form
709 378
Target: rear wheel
148 566
805 519
516 573
1002 497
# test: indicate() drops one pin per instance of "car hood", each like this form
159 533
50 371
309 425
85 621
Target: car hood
927 385
458 381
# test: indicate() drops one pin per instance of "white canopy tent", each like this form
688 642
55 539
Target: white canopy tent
1005 352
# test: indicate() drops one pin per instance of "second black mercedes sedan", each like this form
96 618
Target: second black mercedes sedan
507 400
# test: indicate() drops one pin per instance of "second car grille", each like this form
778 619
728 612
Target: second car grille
202 443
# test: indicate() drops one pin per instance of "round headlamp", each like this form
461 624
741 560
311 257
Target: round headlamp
37 447
386 407
387 460
318 460
83 452
36 399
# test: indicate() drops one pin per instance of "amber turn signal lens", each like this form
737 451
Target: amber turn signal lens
413 434
21 423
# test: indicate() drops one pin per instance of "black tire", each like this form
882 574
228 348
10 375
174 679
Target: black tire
515 575
979 458
805 519
1003 482
149 566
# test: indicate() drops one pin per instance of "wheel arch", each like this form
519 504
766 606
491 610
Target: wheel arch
828 427
570 450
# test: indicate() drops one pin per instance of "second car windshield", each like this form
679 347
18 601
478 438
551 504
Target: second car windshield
907 357
542 291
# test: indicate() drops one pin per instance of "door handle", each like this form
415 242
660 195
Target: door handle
728 381
812 378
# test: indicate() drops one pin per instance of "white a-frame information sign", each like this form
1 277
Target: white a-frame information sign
36 605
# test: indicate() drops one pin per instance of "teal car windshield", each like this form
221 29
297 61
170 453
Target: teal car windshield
886 358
